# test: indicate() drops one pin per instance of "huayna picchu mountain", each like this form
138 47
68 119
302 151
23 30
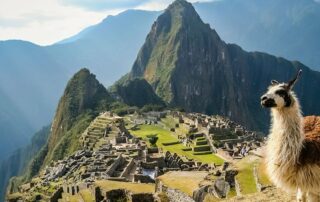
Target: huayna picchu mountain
188 65
83 98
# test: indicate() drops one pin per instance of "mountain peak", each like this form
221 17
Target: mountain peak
182 9
178 31
180 4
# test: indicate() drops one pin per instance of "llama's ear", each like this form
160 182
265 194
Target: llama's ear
274 82
294 80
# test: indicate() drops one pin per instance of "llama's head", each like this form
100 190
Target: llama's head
279 95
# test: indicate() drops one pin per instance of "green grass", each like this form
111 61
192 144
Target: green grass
167 136
262 174
245 176
108 185
163 134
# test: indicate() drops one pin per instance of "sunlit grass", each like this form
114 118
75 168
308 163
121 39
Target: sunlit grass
87 195
245 176
166 136
108 185
186 182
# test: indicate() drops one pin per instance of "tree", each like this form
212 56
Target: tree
153 139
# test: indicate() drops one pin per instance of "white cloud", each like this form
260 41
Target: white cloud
48 21
44 21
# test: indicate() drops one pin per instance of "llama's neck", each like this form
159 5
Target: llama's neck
285 140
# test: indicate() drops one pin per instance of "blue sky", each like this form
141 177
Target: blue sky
47 21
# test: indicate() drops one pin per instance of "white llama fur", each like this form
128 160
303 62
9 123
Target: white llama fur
284 145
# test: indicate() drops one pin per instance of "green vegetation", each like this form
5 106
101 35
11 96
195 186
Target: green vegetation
133 187
153 139
32 158
262 174
245 176
165 136
69 143
83 99
137 92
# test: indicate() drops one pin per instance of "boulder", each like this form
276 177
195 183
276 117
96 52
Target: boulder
220 188
200 194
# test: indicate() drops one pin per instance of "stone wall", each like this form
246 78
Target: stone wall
127 169
255 175
173 194
142 197
118 161
143 178
122 195
237 186
57 195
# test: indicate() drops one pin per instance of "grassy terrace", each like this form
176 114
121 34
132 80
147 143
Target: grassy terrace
108 185
186 182
166 136
262 174
246 178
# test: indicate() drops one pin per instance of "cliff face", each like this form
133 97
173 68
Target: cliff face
188 65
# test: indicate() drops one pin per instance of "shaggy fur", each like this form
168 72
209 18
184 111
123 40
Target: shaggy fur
293 159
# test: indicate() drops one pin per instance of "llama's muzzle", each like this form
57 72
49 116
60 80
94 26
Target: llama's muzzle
267 102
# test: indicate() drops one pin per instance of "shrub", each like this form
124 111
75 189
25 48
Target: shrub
153 140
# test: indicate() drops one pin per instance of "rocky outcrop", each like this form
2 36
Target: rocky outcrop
220 189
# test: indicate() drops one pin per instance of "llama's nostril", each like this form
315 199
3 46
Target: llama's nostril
263 98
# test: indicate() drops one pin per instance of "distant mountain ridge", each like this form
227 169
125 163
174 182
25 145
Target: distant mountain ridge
189 66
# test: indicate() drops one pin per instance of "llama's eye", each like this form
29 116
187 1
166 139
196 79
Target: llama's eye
281 93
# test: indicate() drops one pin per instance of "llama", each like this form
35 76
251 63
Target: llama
293 159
